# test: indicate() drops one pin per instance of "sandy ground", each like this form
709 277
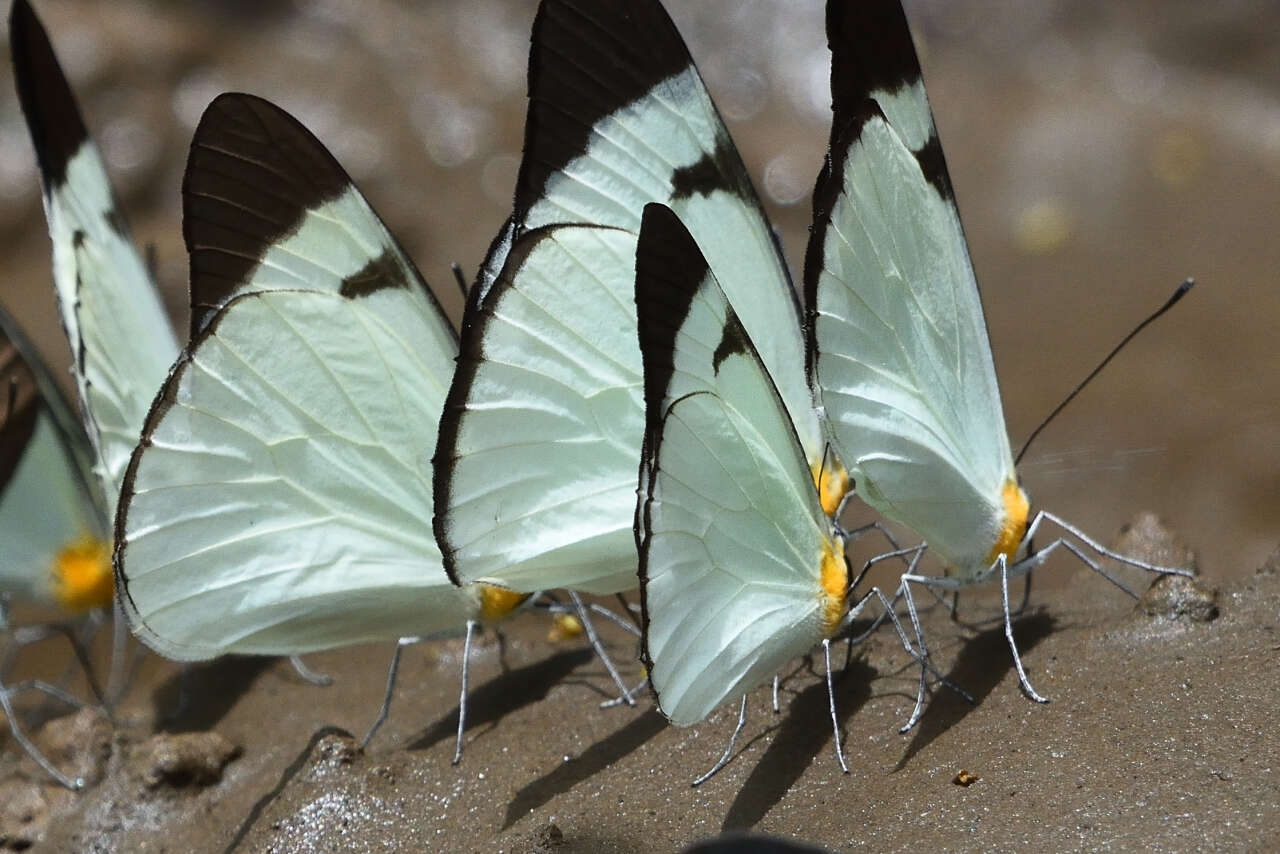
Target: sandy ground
1101 152
1160 736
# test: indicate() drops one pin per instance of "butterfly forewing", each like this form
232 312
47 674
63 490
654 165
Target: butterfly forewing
898 343
121 340
735 541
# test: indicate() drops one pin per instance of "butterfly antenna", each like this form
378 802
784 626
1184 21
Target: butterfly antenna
1169 303
459 278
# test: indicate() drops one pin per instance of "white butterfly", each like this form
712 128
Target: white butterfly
280 498
741 564
535 472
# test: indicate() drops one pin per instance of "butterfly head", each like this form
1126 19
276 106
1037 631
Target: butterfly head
81 579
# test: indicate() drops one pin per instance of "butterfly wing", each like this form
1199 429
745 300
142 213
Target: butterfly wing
618 117
47 501
898 343
739 568
121 340
552 416
280 499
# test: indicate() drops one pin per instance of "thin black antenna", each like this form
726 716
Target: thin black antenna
457 277
1177 295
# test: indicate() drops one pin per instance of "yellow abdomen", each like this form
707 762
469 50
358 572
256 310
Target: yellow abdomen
81 575
1014 527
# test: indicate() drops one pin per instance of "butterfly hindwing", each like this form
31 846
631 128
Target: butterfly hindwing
540 474
898 343
120 337
280 499
737 555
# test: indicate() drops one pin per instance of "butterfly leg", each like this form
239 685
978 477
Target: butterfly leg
728 751
7 692
1094 546
630 695
307 674
594 639
391 686
462 701
27 635
831 704
1008 633
776 709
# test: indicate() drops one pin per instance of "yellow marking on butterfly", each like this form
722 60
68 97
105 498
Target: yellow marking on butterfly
1016 507
81 575
832 482
564 627
498 602
835 581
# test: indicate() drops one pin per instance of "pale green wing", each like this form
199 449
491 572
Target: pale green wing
898 340
280 500
740 569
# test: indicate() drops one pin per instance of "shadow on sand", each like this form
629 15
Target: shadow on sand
198 696
802 737
982 663
504 694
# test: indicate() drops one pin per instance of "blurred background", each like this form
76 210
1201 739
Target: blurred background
1102 150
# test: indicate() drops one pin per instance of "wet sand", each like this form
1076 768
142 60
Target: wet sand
1159 736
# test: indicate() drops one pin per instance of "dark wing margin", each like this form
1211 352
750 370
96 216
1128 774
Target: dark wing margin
872 54
588 59
253 173
669 270
52 115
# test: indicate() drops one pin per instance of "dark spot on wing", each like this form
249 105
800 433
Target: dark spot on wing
589 58
253 174
721 170
733 339
380 273
53 118
78 238
934 166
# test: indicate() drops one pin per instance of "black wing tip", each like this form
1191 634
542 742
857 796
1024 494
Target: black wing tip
53 116
669 269
587 59
253 172
871 49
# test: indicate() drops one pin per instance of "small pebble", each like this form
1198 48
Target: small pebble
185 759
1177 597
